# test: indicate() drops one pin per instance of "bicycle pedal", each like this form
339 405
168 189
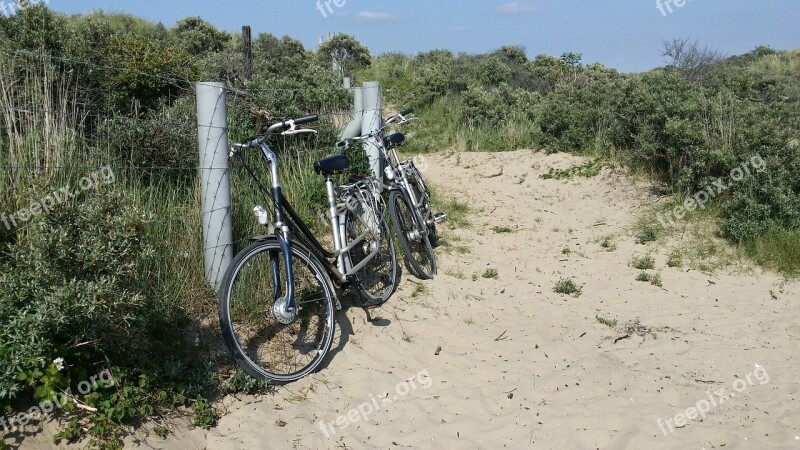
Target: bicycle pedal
440 217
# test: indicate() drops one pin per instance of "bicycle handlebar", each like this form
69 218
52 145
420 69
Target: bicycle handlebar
286 126
401 117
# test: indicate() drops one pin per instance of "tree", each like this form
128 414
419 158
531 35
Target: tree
346 54
198 36
694 60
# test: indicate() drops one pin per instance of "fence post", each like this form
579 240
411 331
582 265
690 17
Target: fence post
373 120
353 129
212 131
247 51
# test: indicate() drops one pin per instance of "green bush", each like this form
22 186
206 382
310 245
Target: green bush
72 280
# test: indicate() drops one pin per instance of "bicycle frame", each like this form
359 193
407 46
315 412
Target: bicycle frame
344 267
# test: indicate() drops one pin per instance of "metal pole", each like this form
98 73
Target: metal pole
212 132
373 120
353 129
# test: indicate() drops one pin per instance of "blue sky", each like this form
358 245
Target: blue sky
625 34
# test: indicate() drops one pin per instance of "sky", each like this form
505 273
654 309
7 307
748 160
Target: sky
624 34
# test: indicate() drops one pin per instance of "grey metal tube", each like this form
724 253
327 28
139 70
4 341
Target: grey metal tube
212 132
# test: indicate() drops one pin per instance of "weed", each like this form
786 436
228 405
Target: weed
490 273
649 234
654 279
644 262
161 432
609 323
566 251
501 230
608 243
205 416
675 259
588 170
566 286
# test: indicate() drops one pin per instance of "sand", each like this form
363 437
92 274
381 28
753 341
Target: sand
506 362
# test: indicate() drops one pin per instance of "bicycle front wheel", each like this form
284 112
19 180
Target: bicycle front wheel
412 236
264 346
423 196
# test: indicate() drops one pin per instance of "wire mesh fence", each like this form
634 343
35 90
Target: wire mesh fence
58 136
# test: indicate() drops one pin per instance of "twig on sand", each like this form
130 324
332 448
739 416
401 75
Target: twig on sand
502 337
621 338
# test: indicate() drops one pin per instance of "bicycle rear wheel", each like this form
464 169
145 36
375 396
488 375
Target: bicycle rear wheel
261 344
412 236
378 279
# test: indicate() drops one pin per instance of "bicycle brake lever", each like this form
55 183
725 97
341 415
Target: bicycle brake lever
298 131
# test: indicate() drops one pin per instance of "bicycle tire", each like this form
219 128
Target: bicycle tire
413 238
425 209
259 343
376 282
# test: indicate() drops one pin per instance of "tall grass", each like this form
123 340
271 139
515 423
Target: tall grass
40 128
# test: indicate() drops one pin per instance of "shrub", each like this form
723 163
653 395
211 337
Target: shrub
72 280
644 262
566 286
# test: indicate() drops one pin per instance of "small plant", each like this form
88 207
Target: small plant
566 286
647 235
490 273
589 170
644 262
501 230
205 416
418 290
469 321
161 432
242 383
609 323
566 251
474 277
608 244
675 259
654 279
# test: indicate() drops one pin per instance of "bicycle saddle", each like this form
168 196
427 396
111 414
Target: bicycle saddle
331 165
394 139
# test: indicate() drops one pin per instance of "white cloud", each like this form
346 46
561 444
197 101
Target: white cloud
517 8
368 16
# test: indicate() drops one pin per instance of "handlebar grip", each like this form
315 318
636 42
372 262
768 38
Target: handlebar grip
306 119
407 112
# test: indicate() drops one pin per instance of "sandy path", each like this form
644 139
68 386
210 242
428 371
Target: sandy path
522 366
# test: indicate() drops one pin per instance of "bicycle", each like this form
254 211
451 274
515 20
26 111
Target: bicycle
278 298
409 200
